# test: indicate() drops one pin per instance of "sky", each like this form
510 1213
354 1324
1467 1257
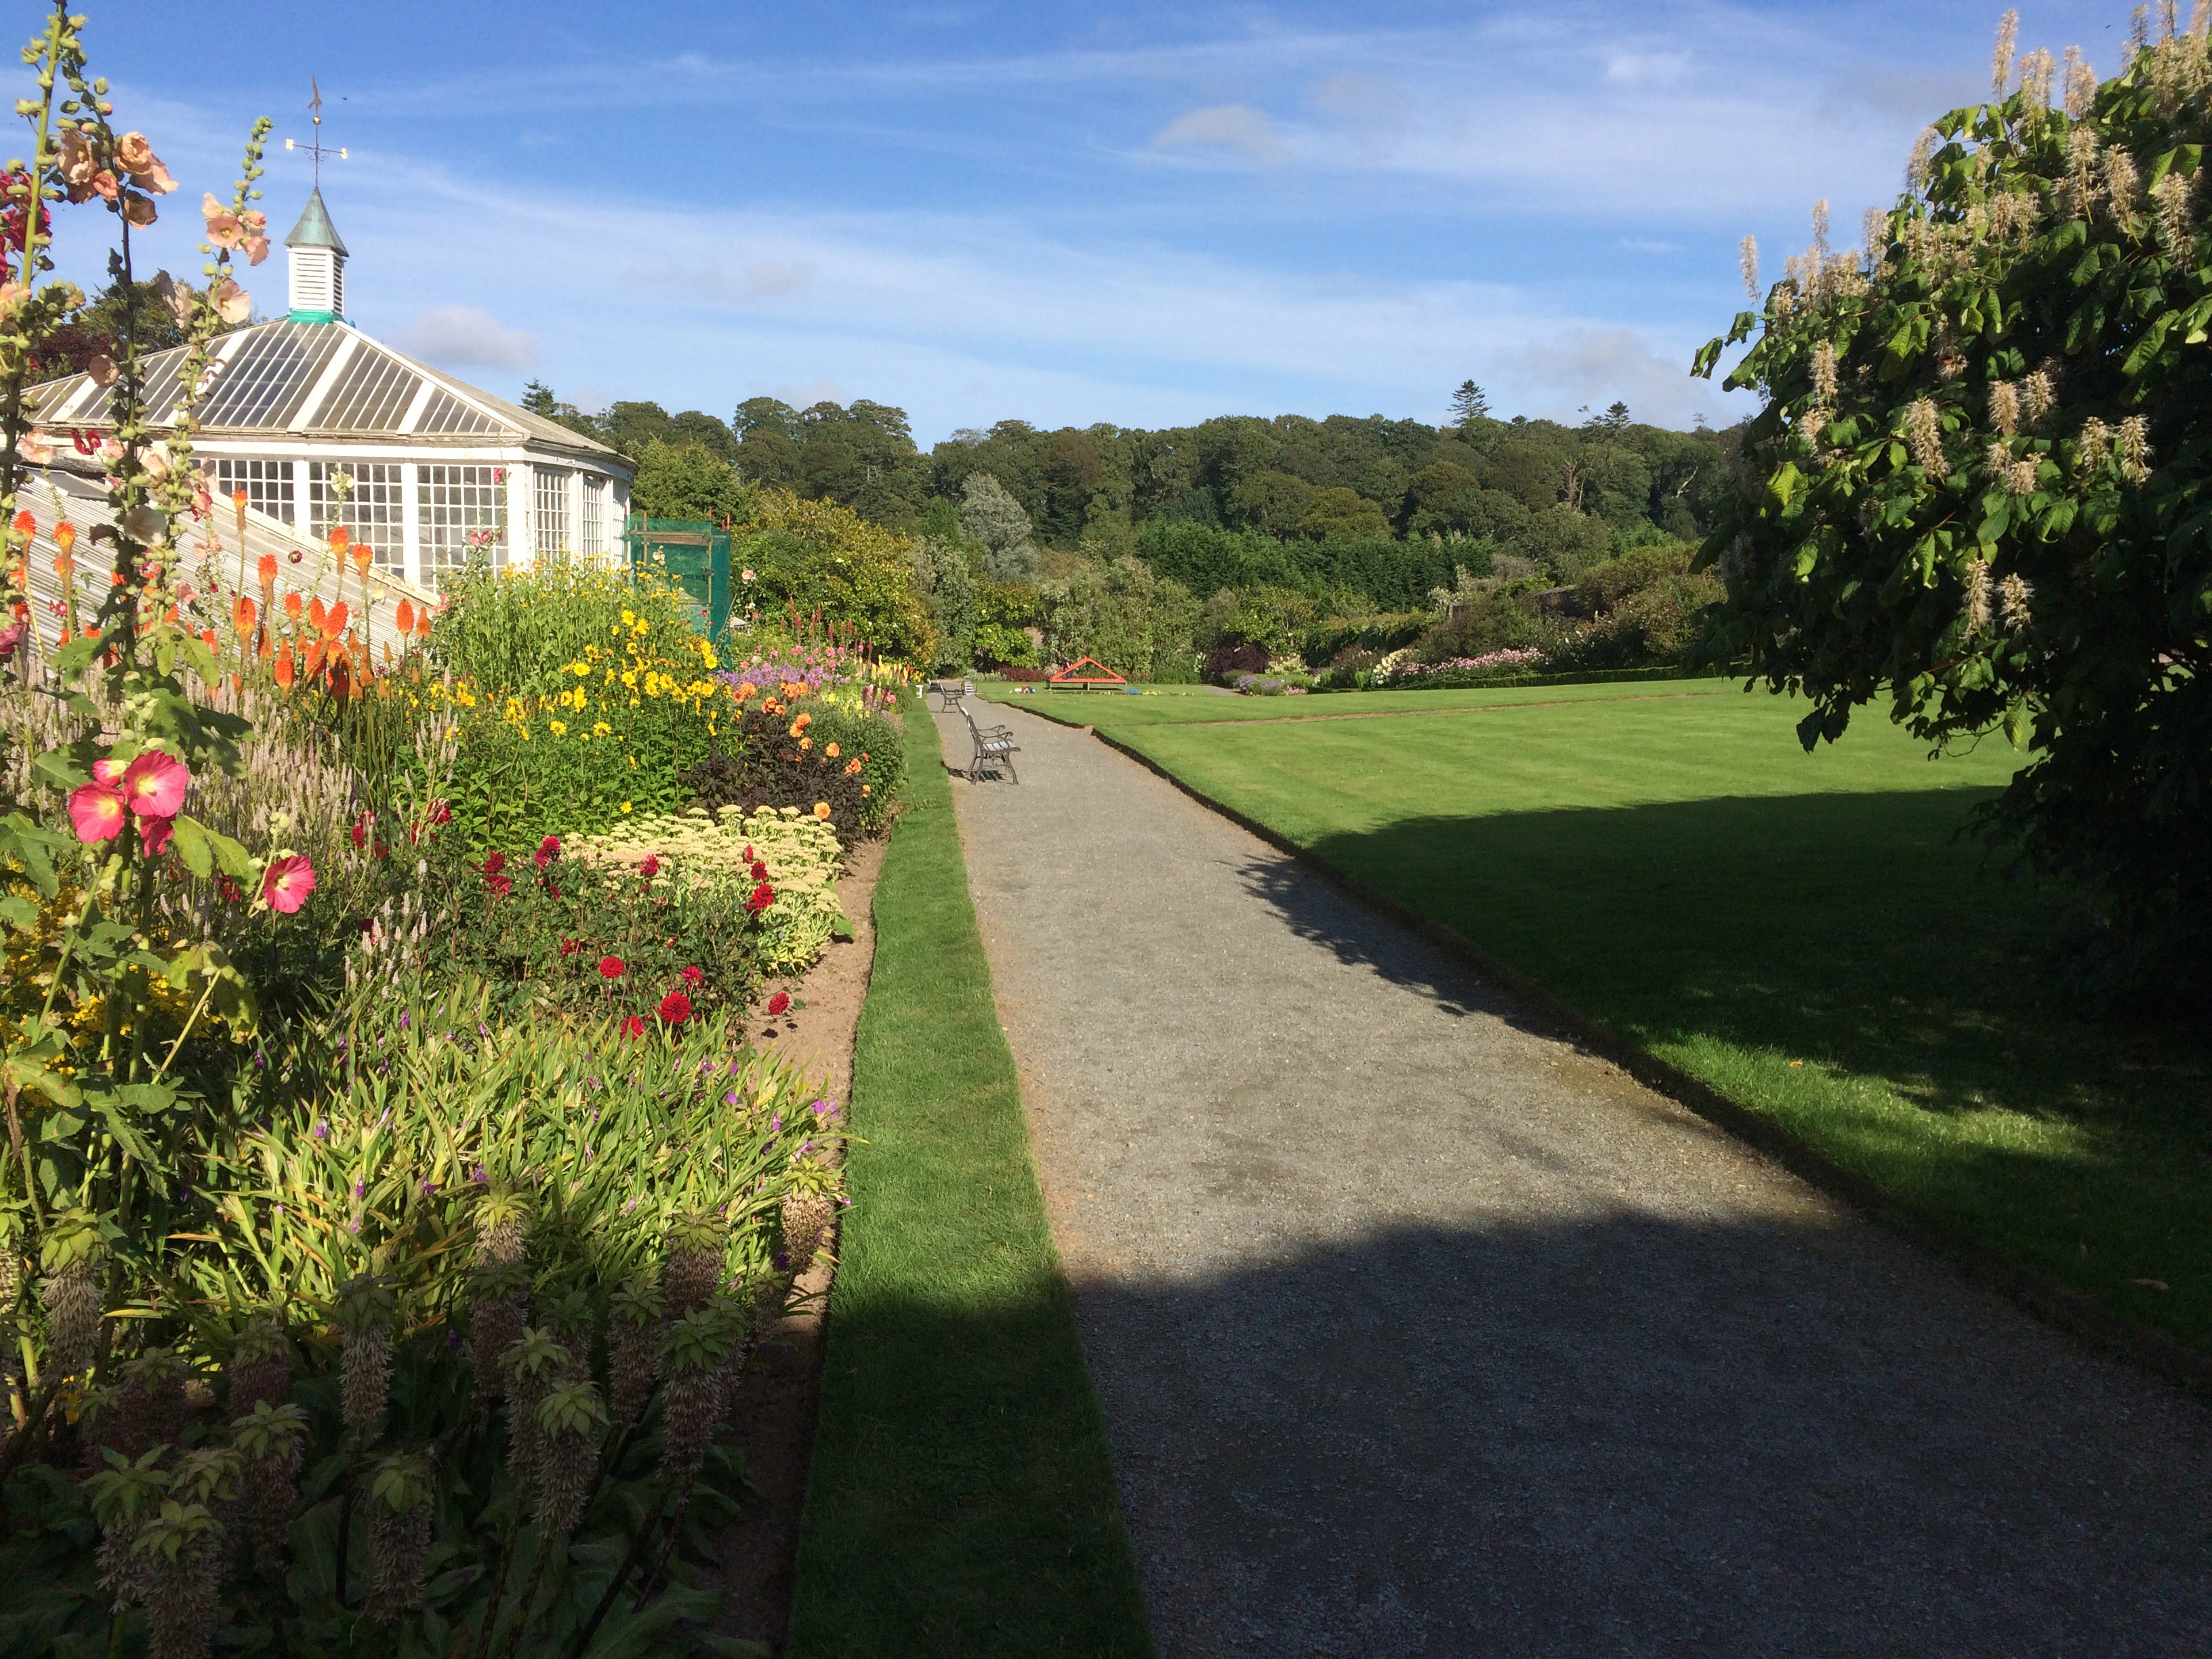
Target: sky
1143 214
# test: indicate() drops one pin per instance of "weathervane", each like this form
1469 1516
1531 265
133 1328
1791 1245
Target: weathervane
314 146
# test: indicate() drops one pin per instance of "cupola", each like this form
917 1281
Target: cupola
318 259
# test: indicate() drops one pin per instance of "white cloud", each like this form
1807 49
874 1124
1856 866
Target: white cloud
1223 126
458 337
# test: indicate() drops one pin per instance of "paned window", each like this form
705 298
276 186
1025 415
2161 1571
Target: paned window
592 537
267 484
366 497
464 510
549 521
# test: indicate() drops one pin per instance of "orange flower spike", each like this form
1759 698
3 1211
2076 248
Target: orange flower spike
364 556
315 613
316 652
65 538
209 638
333 621
26 526
238 499
284 669
242 613
170 615
292 605
405 618
341 538
268 570
64 566
422 624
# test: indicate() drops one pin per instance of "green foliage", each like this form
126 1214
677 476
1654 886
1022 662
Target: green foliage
809 556
945 576
1979 483
1122 614
687 481
516 630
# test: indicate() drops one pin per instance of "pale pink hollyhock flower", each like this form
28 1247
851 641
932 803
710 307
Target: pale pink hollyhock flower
102 368
286 883
137 159
110 771
96 811
139 212
156 833
223 228
155 784
257 249
103 183
76 158
232 303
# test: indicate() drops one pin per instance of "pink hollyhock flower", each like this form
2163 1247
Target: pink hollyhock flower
109 772
286 883
156 833
96 811
777 1003
156 785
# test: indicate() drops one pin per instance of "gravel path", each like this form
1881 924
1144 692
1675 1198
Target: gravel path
1420 1333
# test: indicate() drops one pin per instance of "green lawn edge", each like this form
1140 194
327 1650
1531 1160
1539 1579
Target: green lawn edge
961 1498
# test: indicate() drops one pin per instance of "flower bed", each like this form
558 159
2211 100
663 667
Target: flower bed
393 1197
1401 670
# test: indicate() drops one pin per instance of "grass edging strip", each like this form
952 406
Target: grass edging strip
2058 1304
962 1496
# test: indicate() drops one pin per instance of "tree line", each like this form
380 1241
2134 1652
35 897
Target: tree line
1379 509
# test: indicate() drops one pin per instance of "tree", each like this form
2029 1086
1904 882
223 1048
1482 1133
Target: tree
1981 482
809 556
687 481
1468 405
945 577
1342 513
989 515
1125 616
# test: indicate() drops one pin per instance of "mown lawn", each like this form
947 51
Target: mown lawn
1177 705
961 1498
1811 935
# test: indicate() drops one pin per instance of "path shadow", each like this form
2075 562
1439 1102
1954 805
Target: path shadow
1621 1434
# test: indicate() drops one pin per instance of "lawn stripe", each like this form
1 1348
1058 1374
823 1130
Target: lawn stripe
962 1497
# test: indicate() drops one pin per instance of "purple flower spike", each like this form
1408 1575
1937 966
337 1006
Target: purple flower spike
358 1188
429 1189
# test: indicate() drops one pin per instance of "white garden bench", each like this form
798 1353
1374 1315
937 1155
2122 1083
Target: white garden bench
994 747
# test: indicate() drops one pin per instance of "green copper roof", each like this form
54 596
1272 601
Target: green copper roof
315 228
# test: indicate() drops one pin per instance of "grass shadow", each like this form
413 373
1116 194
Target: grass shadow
1838 962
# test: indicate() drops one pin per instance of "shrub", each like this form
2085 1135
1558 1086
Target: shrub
779 753
1226 662
797 559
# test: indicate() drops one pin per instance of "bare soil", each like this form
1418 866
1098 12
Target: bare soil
775 1408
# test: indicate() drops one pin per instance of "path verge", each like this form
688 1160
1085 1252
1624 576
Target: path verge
961 1498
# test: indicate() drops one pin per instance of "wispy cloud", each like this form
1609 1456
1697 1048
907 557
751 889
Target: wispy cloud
458 337
1234 127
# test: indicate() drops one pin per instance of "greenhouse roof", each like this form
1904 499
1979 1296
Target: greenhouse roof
315 381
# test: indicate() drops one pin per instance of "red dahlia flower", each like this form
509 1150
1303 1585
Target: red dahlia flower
611 967
691 977
633 1026
650 868
494 863
777 1003
763 895
570 946
675 1008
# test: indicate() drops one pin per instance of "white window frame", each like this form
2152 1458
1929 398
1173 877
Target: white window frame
591 518
548 517
376 510
267 482
454 498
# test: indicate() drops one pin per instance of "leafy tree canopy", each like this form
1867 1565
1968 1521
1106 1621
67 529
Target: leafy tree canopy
1981 485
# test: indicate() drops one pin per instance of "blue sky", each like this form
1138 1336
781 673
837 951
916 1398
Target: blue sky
1145 214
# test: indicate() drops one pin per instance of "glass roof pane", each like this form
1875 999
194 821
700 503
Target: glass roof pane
371 394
